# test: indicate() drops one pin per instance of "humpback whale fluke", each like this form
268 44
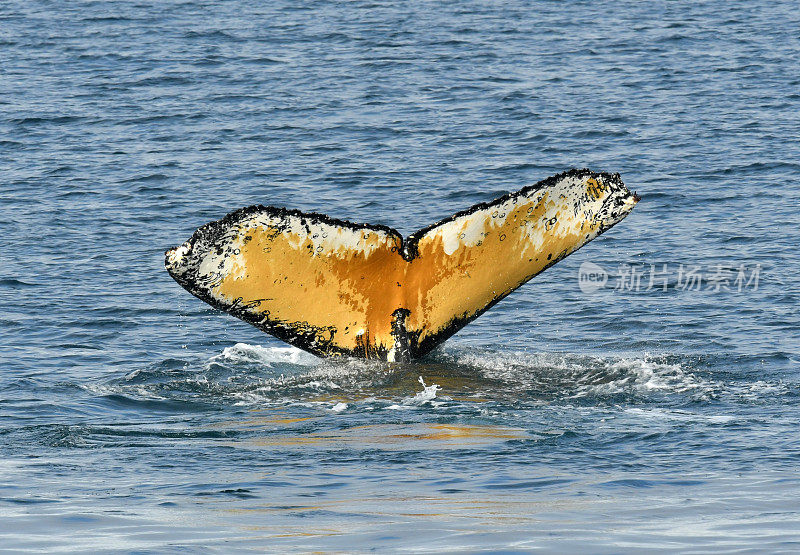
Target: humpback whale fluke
337 288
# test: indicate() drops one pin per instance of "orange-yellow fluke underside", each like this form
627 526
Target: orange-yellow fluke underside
337 288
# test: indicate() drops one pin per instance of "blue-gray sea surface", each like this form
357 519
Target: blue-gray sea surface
660 411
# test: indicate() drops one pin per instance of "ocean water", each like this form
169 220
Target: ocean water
658 409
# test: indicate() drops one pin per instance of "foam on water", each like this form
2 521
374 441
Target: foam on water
252 375
464 382
644 376
575 376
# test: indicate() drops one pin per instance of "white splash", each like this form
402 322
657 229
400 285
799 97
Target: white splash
580 376
244 352
643 375
428 392
427 395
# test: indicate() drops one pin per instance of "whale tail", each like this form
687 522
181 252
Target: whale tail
332 287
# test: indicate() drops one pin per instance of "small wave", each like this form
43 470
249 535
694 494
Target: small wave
216 34
262 60
243 352
643 376
150 177
571 376
46 119
762 391
680 415
12 283
241 374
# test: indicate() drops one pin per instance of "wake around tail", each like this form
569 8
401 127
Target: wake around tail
336 288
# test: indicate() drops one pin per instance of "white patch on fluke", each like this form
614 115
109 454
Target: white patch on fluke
457 234
324 237
175 258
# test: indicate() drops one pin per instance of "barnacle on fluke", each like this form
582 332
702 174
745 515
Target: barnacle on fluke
336 288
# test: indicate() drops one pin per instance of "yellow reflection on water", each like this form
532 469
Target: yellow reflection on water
272 420
389 436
